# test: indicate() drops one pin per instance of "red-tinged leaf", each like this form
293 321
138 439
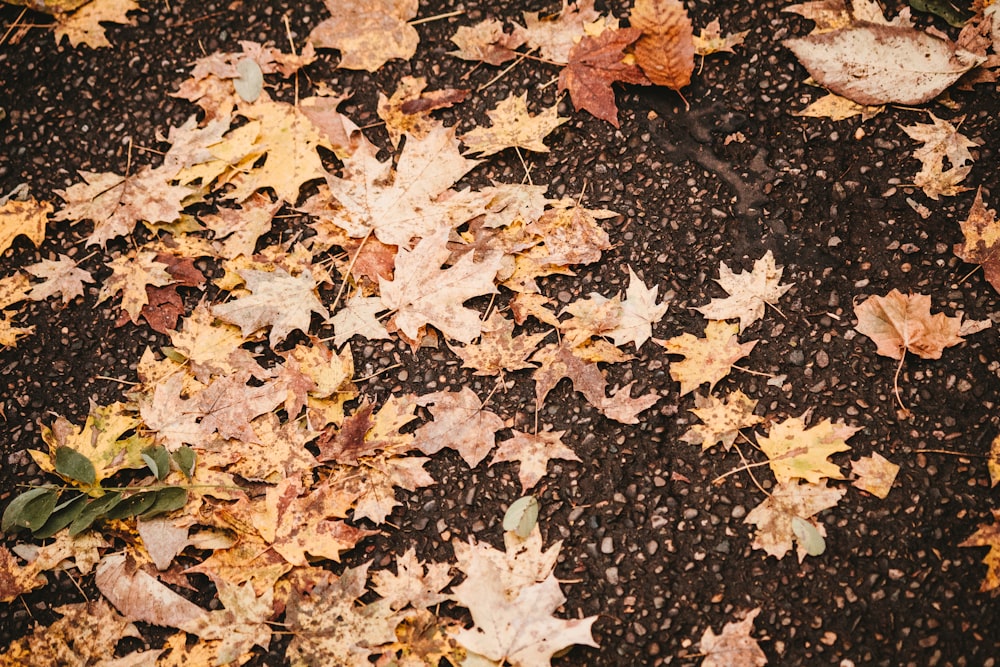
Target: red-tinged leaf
594 65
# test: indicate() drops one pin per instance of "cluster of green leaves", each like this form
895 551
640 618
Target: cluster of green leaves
45 510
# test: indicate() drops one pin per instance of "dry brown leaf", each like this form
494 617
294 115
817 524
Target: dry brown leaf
84 25
875 474
533 452
901 323
61 276
595 63
774 517
486 41
942 141
734 647
512 125
836 107
707 359
797 452
461 423
665 52
368 33
17 579
982 240
710 40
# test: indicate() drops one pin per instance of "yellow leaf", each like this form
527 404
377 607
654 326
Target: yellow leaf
25 218
797 452
875 474
512 125
707 359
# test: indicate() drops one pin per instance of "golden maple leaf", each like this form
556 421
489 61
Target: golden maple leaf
797 452
707 359
513 126
723 419
84 25
776 516
875 474
988 535
368 33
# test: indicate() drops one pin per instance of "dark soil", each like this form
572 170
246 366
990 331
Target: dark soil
649 543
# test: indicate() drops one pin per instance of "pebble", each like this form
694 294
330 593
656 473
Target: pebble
738 512
611 575
796 357
822 359
607 545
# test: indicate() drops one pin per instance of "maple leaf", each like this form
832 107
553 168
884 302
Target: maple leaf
734 647
836 107
363 435
229 404
593 316
86 633
665 51
512 125
486 41
13 288
131 274
708 359
62 276
84 25
250 559
115 203
408 110
988 535
212 347
460 423
366 33
242 624
875 474
533 452
408 202
332 627
171 416
424 639
748 292
415 583
238 229
17 579
639 312
421 292
775 516
595 63
993 462
710 40
555 36
942 141
797 452
358 318
982 240
723 419
901 323
513 623
498 350
23 218
278 300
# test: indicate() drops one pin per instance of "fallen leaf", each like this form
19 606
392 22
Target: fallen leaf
512 125
359 317
595 63
988 535
639 312
86 633
367 33
408 110
707 359
498 350
461 422
23 218
734 647
748 292
84 25
533 452
710 40
555 36
788 501
278 300
415 584
486 41
665 52
899 323
797 452
242 623
873 64
723 419
942 141
836 107
993 462
131 273
982 240
17 579
875 474
422 293
61 276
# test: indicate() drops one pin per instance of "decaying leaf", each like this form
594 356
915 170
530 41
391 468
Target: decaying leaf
665 52
499 350
533 451
836 107
734 647
723 419
748 292
873 64
277 299
512 125
415 584
707 359
595 64
84 25
711 40
366 33
875 474
486 41
61 276
941 140
408 110
788 501
797 452
982 240
901 323
988 535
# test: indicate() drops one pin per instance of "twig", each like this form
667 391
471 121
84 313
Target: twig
748 466
118 380
502 73
527 172
747 463
949 452
747 370
377 373
13 25
350 267
437 17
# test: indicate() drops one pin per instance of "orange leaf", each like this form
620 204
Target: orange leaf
665 52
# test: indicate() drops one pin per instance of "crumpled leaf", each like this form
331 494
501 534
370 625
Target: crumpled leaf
942 141
880 64
901 323
554 36
408 110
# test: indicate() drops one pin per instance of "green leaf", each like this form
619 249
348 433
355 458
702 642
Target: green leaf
186 458
63 515
94 510
29 510
808 536
954 15
158 460
132 506
521 516
74 465
167 500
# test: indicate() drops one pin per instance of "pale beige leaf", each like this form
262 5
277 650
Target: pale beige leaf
61 276
533 452
836 107
710 40
901 323
555 36
775 515
358 317
639 312
415 584
941 141
875 474
512 125
499 350
486 41
278 300
723 419
748 292
461 422
368 33
734 647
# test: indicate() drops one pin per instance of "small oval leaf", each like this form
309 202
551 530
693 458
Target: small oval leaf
186 458
157 460
250 82
167 500
95 509
29 510
74 465
132 506
808 536
63 515
521 516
